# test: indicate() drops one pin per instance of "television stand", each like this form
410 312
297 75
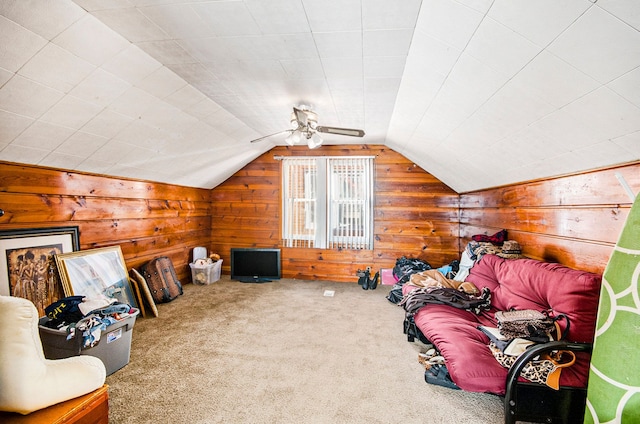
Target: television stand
257 280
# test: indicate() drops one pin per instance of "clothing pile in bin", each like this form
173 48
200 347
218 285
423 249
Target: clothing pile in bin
86 316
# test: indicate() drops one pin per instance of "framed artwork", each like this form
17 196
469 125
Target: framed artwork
27 265
95 272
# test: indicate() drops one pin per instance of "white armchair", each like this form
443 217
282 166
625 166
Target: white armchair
28 381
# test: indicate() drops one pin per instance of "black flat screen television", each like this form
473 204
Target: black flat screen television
255 265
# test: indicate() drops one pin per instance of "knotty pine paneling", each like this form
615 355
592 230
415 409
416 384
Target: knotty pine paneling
574 220
146 219
415 215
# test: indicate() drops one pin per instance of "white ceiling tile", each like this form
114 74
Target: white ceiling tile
471 83
565 131
192 72
540 21
338 44
631 142
166 117
94 166
428 54
142 135
501 48
509 110
257 59
270 18
12 125
381 14
226 18
18 45
497 156
481 6
43 136
56 68
599 45
393 42
531 144
605 114
384 67
441 119
597 155
46 18
97 49
309 68
210 49
270 47
168 52
554 80
5 76
107 124
254 71
133 102
343 68
100 88
25 97
416 95
81 144
94 5
111 152
179 20
333 15
61 160
381 92
628 86
132 24
204 108
21 154
161 83
627 11
449 22
71 112
131 64
184 97
212 88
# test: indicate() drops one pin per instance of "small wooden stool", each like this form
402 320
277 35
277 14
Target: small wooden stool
92 408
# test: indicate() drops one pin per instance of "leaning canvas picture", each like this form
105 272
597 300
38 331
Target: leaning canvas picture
96 272
27 264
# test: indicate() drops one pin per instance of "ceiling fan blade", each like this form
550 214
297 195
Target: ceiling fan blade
341 131
270 135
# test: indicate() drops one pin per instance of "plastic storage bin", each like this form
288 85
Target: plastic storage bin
206 274
114 347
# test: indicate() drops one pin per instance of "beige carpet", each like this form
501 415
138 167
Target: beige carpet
282 352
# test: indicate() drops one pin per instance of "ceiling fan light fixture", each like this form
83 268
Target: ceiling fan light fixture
294 121
314 141
312 119
293 138
304 125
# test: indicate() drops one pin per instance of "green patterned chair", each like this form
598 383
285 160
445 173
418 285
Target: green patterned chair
613 393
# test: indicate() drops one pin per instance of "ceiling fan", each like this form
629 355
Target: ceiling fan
304 126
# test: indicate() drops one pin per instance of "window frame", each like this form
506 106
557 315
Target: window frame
359 173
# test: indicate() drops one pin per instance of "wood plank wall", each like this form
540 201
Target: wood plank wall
574 220
146 219
416 215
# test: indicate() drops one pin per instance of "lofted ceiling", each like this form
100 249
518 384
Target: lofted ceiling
478 92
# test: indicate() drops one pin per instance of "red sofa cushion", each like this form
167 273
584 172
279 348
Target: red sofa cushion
514 284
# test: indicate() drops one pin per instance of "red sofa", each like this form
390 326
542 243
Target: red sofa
514 284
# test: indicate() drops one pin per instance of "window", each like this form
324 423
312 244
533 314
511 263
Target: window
328 202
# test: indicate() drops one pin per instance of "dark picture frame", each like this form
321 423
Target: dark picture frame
96 272
27 264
